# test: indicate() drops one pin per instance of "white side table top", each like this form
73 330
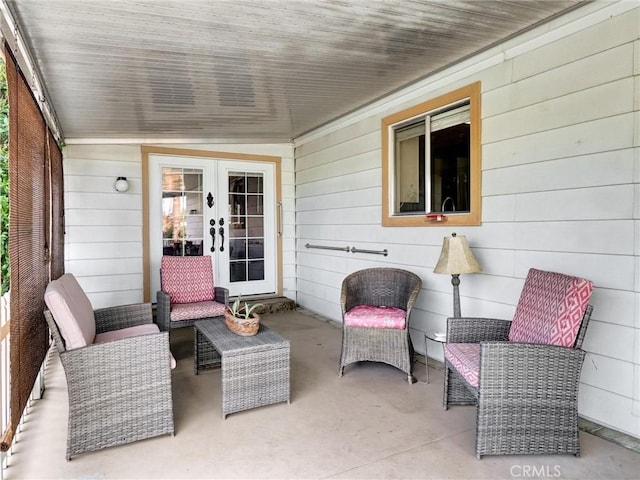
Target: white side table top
436 336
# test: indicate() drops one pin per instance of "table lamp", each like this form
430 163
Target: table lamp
456 258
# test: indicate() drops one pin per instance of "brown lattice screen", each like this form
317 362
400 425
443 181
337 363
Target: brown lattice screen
57 208
35 173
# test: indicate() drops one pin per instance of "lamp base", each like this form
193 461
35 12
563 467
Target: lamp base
455 281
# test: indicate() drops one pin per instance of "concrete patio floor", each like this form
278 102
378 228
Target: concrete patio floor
368 424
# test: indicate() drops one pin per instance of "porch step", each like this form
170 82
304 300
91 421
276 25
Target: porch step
270 304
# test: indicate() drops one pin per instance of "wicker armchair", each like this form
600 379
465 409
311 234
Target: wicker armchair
119 382
523 374
376 305
188 292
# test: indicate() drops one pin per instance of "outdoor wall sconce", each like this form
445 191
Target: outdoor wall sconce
121 184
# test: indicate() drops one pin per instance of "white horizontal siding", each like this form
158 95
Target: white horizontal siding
124 233
566 79
577 204
597 169
614 30
566 142
594 401
610 99
80 216
105 251
345 183
102 267
103 243
560 191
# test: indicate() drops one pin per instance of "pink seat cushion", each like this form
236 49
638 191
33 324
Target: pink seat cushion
187 311
144 329
550 309
465 358
187 279
376 317
71 310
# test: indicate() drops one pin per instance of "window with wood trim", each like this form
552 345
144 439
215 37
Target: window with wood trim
431 162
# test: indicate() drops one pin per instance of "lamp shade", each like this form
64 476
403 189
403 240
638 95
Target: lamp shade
456 257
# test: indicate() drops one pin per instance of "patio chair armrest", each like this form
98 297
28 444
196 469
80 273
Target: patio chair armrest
475 330
163 310
527 398
221 295
107 382
529 370
141 354
122 316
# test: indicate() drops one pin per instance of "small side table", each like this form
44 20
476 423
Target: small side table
431 336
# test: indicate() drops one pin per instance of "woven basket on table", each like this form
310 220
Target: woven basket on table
245 327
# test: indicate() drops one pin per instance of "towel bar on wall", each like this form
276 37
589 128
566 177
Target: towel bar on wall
324 247
384 252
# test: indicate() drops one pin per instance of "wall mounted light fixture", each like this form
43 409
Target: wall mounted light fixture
121 184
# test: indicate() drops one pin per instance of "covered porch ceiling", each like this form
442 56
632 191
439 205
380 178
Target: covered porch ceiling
245 70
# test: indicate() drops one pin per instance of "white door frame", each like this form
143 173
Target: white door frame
149 267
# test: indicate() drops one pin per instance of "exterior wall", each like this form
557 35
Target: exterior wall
560 188
103 244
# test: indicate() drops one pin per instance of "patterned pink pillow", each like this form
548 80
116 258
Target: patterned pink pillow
375 317
187 279
550 309
188 311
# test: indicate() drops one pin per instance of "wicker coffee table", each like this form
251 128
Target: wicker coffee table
255 370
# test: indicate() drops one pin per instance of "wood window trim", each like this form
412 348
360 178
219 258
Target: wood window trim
474 217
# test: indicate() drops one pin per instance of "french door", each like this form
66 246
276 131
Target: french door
216 207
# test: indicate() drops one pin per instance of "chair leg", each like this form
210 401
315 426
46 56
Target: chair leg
411 379
445 397
341 371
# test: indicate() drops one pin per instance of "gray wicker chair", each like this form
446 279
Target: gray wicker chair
188 293
120 390
379 287
526 390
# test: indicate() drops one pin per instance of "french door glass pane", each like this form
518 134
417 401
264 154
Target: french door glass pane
182 220
256 270
246 226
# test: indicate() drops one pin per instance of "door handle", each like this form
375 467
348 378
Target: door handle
212 231
221 232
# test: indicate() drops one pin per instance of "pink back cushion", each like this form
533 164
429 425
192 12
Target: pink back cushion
375 317
550 309
72 311
187 279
